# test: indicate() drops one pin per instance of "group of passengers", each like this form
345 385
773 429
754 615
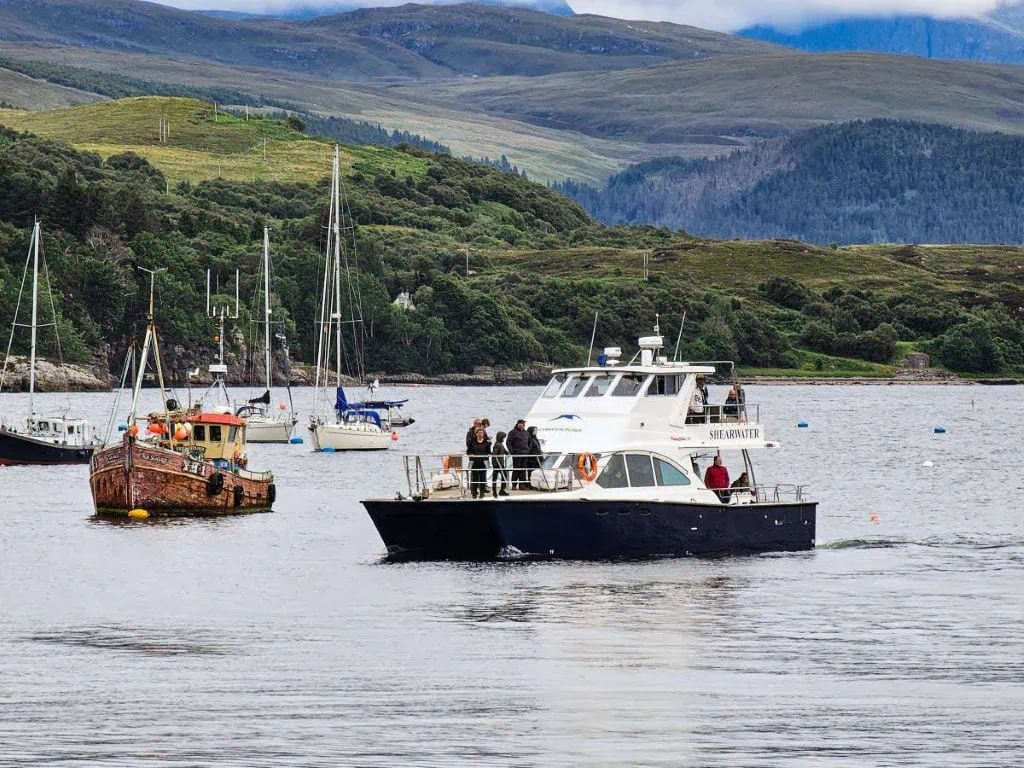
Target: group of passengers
734 401
517 454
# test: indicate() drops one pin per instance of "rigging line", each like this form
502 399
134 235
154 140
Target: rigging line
56 330
17 308
355 293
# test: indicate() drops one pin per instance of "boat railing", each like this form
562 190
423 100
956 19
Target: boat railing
429 474
781 493
724 413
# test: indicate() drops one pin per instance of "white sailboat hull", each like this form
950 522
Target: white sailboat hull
263 430
350 437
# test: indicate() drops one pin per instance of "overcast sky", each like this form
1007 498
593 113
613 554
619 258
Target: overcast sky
725 15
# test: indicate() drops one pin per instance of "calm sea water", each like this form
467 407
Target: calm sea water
282 639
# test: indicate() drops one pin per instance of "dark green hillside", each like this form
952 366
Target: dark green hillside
880 181
541 268
410 41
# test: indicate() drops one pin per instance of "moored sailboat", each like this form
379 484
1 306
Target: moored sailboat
264 425
43 439
343 425
186 462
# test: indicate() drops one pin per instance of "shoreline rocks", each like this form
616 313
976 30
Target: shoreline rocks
53 377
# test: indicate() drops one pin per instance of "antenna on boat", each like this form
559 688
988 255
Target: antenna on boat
593 337
679 338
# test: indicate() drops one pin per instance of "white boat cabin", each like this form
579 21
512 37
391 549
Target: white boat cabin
74 433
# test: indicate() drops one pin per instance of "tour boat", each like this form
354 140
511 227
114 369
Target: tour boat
619 477
264 424
341 425
185 462
41 439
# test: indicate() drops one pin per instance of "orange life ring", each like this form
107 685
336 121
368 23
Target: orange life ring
445 463
586 466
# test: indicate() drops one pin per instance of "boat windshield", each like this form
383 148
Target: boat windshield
553 387
599 386
575 386
629 385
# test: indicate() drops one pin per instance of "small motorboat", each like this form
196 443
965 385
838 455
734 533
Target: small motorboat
619 477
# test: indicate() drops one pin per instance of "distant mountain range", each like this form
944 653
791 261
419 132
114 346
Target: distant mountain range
998 37
409 41
881 181
315 10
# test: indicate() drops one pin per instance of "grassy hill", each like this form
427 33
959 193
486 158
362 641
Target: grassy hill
541 266
409 42
862 182
201 145
760 95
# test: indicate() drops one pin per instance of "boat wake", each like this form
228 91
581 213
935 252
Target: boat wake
936 542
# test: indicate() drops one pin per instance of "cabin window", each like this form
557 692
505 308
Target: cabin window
663 384
71 429
232 434
551 390
215 433
599 386
44 426
667 474
574 387
640 473
614 473
628 386
199 433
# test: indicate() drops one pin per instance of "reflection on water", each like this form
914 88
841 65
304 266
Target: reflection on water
283 639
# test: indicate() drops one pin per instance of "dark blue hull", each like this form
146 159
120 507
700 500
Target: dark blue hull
18 449
587 530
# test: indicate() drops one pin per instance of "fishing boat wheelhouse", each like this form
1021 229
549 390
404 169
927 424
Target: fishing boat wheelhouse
619 477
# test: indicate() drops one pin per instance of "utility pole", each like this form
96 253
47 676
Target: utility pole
647 256
264 150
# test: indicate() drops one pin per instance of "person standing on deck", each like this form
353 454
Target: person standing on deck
471 434
499 466
478 452
518 443
716 478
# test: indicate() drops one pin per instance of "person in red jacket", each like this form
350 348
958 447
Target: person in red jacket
717 479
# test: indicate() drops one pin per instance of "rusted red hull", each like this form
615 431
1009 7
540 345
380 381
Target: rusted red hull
164 483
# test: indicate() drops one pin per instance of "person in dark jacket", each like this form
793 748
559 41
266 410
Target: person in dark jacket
518 442
479 452
471 433
499 466
534 449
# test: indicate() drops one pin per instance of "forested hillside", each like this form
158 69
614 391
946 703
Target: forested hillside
876 182
540 267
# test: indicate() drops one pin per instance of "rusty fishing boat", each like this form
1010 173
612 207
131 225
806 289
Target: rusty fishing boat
182 462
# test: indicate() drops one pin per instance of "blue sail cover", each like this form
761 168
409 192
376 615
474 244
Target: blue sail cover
340 401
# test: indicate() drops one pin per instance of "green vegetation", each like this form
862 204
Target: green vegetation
540 267
880 181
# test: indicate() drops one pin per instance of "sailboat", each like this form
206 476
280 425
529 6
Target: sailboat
265 426
343 426
186 462
44 439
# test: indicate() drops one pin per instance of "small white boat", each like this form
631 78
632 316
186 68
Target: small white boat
265 425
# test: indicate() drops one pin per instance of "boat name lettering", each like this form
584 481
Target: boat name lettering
736 433
193 467
155 458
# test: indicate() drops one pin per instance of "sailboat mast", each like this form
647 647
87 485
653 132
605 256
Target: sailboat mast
266 300
35 319
337 259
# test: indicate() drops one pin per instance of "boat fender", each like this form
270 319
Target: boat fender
138 514
586 466
272 493
215 484
239 495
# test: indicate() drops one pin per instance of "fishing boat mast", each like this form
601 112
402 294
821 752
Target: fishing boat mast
150 341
